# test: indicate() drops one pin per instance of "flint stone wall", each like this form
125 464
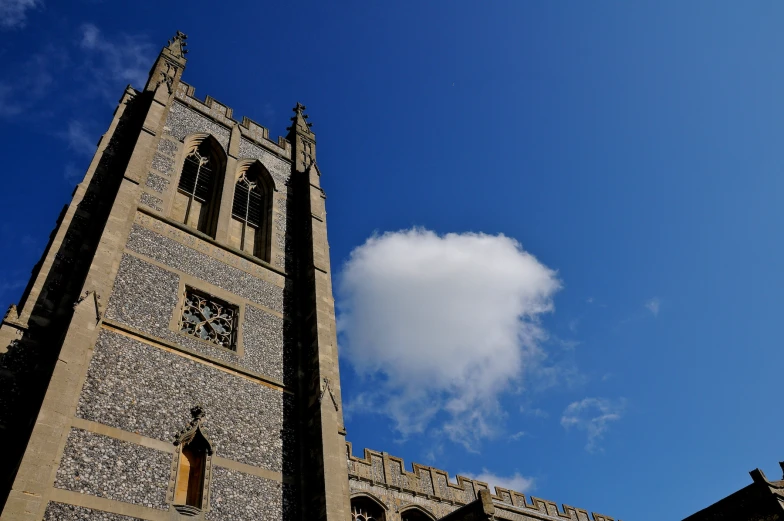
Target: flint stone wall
146 298
140 388
236 495
107 467
62 512
200 265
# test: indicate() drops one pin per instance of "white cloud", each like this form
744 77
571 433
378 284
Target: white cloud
442 325
592 415
517 435
119 59
79 139
13 13
653 306
514 482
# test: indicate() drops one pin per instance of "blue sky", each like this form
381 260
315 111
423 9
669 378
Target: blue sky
610 174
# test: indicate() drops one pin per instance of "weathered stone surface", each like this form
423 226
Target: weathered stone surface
63 512
183 121
157 182
398 499
279 169
151 201
144 389
197 264
146 298
236 495
168 147
107 467
163 164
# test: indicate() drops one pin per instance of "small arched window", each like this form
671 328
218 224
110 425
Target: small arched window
366 509
251 211
193 467
198 191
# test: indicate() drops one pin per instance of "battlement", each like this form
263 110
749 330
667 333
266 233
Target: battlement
223 115
381 469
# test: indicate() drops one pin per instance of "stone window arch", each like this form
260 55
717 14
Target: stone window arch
191 468
415 513
197 199
367 508
251 212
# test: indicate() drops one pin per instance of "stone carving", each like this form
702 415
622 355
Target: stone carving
177 45
188 433
96 301
326 388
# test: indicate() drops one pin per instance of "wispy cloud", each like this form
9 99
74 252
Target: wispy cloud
114 61
28 83
515 482
517 435
653 305
442 325
13 13
594 416
72 172
79 139
534 411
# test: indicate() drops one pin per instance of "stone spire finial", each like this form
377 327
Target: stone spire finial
300 124
177 44
186 434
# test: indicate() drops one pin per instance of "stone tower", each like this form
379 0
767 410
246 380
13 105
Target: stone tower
174 353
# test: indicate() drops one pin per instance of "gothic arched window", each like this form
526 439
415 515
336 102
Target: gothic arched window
191 488
198 190
415 514
364 508
251 211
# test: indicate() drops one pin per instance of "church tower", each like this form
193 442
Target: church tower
174 354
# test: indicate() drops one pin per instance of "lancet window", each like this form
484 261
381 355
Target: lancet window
251 212
198 190
191 486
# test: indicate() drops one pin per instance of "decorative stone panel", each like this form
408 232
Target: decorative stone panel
279 169
107 467
140 388
197 264
146 298
236 495
183 121
63 512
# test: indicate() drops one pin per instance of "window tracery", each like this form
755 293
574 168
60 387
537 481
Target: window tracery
209 318
251 211
197 198
365 509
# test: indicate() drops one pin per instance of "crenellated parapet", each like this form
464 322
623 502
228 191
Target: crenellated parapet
224 115
385 477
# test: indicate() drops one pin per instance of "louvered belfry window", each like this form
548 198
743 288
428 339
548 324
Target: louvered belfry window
248 202
197 199
250 214
197 176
